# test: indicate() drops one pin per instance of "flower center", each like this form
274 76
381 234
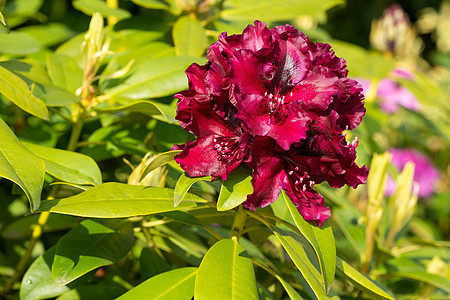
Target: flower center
226 147
277 107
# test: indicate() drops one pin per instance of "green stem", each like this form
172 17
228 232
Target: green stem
239 222
76 133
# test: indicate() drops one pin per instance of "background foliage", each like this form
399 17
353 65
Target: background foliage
94 207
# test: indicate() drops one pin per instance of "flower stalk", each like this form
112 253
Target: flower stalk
239 222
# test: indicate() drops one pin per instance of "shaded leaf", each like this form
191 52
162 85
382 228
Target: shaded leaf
67 165
64 71
225 272
360 280
48 34
429 278
151 263
16 90
21 166
292 293
158 161
91 244
38 282
321 239
183 185
175 284
235 189
118 200
188 37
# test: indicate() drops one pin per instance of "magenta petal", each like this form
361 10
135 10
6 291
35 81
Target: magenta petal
310 205
199 158
267 183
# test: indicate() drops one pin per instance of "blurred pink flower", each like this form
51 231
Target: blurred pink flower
425 173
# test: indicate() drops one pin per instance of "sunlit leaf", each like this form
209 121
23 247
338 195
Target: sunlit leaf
292 293
235 189
16 90
273 10
67 165
18 43
91 244
90 7
152 4
362 281
293 245
176 284
49 34
321 239
188 37
146 107
117 200
225 272
183 185
21 166
158 161
64 71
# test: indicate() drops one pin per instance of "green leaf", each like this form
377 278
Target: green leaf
90 7
274 10
292 293
21 166
154 78
226 272
38 282
152 4
150 108
176 284
18 43
16 90
64 72
158 161
235 189
91 244
53 95
293 245
360 280
118 200
152 263
320 238
348 222
49 34
189 37
429 278
30 70
183 185
67 165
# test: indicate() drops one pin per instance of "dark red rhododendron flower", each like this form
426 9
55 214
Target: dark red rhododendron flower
275 101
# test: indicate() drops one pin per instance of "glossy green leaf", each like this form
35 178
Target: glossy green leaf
429 278
226 272
183 185
273 10
176 284
49 34
64 71
4 28
189 37
53 95
118 200
16 90
360 280
293 245
18 43
321 239
38 282
91 244
158 161
152 263
154 78
21 166
150 108
30 70
90 7
292 293
67 165
235 189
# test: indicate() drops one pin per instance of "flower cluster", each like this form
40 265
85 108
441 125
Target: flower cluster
280 104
